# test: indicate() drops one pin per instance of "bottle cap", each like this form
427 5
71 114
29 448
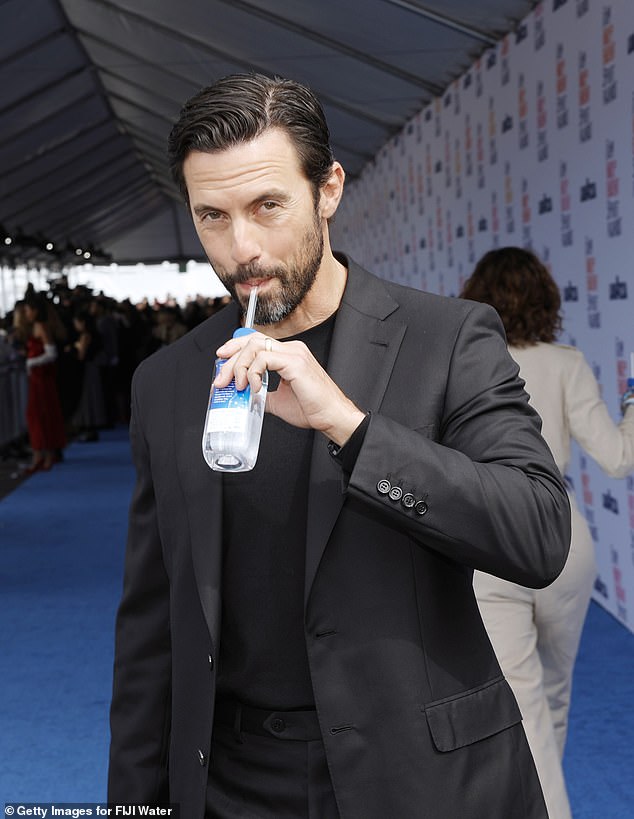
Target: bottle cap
243 331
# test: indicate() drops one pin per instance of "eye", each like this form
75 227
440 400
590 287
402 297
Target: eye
269 205
211 216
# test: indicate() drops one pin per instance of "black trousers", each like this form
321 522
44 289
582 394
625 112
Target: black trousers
280 772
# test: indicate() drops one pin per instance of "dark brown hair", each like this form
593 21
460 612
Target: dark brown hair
521 289
239 108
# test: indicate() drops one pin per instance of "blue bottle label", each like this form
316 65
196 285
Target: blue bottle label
228 397
228 407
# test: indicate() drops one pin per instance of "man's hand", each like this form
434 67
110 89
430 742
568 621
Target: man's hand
306 397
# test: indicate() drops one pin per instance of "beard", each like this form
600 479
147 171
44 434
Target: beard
295 279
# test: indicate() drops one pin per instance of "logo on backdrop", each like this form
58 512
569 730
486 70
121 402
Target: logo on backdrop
588 191
457 168
493 146
601 588
521 33
456 98
609 57
583 7
610 502
478 78
448 222
565 203
592 283
630 507
509 210
440 241
618 290
622 367
585 120
633 144
471 255
527 238
447 159
428 171
542 123
571 292
468 146
522 104
411 184
430 243
420 188
495 220
545 205
587 496
619 587
480 154
562 88
540 28
505 70
612 190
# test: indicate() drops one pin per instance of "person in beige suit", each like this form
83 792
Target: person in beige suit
536 632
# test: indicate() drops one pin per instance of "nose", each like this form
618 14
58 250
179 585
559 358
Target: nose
245 247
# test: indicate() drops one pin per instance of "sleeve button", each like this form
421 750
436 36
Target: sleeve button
408 500
395 493
421 508
383 486
278 725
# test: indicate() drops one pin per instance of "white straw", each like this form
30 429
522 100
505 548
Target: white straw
253 300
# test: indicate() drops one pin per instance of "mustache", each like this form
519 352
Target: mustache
247 272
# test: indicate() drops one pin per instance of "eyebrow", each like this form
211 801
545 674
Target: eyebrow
277 195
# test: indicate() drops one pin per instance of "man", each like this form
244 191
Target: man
303 639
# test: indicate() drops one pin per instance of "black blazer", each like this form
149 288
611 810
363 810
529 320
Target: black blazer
416 717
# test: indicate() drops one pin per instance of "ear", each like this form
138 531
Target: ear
331 191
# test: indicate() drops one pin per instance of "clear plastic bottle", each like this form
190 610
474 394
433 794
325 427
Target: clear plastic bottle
233 422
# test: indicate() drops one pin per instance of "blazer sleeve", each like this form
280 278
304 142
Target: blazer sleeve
140 709
611 445
493 495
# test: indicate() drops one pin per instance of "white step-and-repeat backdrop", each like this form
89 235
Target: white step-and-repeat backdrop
533 146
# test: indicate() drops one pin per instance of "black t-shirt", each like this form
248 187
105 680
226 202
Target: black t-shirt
263 660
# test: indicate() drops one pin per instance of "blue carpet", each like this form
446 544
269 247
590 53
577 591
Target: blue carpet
599 758
62 537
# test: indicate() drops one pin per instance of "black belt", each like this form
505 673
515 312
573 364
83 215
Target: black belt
298 725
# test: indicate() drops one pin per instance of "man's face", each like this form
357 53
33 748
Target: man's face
256 217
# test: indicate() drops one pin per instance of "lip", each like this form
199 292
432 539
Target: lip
248 286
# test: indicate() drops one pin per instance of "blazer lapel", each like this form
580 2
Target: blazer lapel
202 487
365 343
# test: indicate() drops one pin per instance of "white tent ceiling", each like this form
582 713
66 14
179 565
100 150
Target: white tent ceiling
89 89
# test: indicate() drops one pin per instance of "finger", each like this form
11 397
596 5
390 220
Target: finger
224 374
230 352
252 360
231 347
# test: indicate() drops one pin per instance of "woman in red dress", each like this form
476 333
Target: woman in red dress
44 418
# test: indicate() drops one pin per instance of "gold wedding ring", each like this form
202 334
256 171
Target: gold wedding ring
268 344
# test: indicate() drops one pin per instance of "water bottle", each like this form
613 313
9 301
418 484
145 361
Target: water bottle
233 422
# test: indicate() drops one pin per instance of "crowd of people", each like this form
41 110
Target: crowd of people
80 350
